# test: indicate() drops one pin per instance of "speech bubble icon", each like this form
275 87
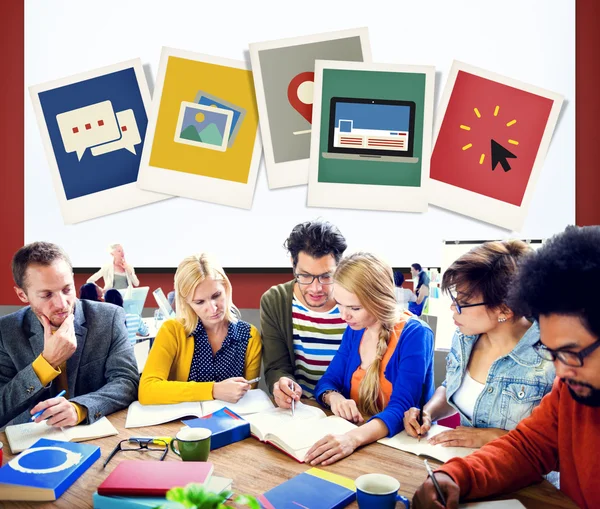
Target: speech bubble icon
300 94
86 127
130 135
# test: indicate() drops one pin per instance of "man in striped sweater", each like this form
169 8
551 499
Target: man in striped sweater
301 326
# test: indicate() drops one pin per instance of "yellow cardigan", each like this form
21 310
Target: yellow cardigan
165 377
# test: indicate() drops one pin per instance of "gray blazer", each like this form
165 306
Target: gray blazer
102 374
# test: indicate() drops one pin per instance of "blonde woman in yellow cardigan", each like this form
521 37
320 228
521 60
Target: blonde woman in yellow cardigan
206 352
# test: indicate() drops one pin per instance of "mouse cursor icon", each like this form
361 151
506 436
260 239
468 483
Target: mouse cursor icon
500 155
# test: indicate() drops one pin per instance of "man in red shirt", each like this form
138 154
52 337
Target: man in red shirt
558 285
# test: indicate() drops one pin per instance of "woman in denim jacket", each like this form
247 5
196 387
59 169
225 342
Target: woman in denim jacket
494 378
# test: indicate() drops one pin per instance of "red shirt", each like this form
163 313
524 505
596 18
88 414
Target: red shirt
560 431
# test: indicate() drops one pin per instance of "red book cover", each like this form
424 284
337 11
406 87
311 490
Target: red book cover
154 478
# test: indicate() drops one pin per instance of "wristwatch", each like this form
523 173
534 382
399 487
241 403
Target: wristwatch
325 394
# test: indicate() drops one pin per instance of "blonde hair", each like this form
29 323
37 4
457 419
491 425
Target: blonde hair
192 271
372 281
112 247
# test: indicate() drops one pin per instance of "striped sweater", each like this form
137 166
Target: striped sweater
317 337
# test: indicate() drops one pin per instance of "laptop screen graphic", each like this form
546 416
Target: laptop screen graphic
372 126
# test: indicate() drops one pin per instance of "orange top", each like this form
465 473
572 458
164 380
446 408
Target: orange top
385 386
559 431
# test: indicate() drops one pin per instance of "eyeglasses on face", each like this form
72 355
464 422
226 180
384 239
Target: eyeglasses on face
573 359
307 279
143 444
460 307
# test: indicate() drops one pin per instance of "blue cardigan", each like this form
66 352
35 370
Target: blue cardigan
409 370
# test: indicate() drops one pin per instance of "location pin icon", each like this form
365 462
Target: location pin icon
300 94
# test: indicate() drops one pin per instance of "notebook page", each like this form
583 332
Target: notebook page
254 401
405 442
149 415
23 436
301 436
101 428
270 421
513 503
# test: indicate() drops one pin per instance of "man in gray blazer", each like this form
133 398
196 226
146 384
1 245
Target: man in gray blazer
59 342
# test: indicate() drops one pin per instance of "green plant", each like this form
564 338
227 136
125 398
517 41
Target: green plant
195 496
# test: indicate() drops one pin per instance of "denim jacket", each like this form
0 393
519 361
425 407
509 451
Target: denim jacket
515 383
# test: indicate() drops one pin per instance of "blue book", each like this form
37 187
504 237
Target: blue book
226 426
314 488
45 470
114 502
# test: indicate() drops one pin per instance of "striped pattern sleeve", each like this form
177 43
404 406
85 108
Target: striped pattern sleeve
317 337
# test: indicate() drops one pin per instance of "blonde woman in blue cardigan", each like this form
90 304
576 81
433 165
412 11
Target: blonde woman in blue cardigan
383 366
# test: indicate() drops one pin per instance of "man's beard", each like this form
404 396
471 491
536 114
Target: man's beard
592 399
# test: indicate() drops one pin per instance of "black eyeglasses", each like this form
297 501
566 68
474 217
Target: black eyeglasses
143 444
307 279
573 359
462 306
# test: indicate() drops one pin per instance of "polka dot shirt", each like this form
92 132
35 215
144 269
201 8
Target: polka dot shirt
228 362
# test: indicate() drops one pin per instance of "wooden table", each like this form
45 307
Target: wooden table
256 467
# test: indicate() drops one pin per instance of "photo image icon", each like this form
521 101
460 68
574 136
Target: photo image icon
203 126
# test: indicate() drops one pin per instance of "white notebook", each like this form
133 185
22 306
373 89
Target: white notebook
23 436
513 503
404 442
295 435
139 415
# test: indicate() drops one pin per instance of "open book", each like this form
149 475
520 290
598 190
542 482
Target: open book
23 436
296 435
404 442
139 415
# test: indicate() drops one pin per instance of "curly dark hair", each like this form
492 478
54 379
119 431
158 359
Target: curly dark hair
563 277
40 253
488 270
316 239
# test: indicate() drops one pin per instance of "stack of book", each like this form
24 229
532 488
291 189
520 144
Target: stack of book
144 484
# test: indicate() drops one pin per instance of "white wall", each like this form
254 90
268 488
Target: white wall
532 41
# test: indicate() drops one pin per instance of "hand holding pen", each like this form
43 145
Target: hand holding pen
57 411
286 391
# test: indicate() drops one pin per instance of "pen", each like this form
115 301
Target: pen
293 401
37 414
253 381
421 405
435 483
153 440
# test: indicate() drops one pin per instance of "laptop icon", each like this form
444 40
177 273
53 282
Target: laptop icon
375 129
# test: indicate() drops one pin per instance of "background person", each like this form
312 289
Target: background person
494 378
117 274
385 363
206 352
91 291
421 292
133 321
